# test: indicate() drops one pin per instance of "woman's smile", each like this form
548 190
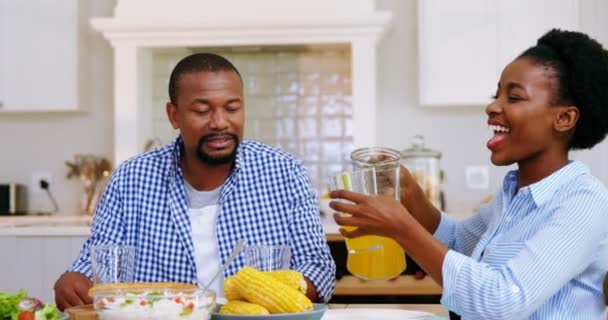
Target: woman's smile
501 134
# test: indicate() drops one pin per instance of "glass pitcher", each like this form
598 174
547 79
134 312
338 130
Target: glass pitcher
423 164
388 259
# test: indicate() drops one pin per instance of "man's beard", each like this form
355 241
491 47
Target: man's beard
216 161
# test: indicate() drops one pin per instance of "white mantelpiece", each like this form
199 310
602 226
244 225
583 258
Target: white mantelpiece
141 25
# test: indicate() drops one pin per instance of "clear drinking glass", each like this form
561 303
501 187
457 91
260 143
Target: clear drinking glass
385 163
268 257
362 180
112 263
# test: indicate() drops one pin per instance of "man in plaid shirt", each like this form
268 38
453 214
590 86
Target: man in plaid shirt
184 206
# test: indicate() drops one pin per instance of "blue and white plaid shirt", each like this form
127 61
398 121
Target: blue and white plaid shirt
267 199
540 253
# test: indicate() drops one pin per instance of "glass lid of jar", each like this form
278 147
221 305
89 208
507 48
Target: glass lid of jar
418 150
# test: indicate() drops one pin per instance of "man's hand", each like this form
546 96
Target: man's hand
72 289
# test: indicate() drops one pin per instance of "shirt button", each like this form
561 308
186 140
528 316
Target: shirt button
515 289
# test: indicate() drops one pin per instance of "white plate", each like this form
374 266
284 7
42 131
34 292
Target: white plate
315 314
367 314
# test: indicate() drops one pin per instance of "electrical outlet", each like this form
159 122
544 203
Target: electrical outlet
35 181
477 177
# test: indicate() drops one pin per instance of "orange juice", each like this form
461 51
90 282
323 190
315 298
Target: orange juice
385 260
374 257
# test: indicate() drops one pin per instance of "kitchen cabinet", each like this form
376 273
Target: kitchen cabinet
465 44
35 262
39 55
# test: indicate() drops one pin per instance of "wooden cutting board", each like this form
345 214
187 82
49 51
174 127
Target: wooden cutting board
85 312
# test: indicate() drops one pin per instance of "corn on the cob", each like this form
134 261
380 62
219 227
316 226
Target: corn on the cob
230 290
291 278
242 307
272 294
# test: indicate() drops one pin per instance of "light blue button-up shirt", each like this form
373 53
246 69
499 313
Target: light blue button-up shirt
537 253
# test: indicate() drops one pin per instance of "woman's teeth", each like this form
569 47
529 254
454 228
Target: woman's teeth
497 128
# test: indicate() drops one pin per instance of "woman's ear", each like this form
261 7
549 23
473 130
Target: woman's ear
565 118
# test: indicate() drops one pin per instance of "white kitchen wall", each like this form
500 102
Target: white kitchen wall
33 142
41 142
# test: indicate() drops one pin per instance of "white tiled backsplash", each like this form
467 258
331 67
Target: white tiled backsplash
297 98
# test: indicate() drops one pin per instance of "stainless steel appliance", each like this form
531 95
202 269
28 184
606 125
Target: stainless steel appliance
13 199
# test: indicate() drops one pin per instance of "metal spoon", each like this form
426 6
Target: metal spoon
237 249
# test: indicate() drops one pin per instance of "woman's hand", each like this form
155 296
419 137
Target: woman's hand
414 200
409 189
377 215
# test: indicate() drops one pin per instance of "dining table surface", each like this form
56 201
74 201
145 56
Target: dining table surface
436 309
86 312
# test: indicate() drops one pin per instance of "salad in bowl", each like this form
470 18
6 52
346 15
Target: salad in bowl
21 307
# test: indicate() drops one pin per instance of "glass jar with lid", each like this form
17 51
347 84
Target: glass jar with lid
423 164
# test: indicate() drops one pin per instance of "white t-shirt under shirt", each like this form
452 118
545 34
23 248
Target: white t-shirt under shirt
202 208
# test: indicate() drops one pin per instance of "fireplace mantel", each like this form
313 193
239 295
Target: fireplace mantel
140 25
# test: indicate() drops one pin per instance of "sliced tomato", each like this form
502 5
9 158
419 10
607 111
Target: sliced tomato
26 315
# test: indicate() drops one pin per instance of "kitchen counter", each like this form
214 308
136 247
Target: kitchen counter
80 226
45 226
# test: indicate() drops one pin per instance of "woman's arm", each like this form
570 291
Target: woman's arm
461 236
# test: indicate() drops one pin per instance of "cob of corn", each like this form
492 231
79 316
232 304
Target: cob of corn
291 278
242 307
270 293
230 290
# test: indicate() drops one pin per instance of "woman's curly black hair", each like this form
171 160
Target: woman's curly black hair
581 69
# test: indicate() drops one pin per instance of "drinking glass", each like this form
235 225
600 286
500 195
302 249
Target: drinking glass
112 263
268 257
362 180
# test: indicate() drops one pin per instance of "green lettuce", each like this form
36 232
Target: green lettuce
48 312
9 307
9 304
